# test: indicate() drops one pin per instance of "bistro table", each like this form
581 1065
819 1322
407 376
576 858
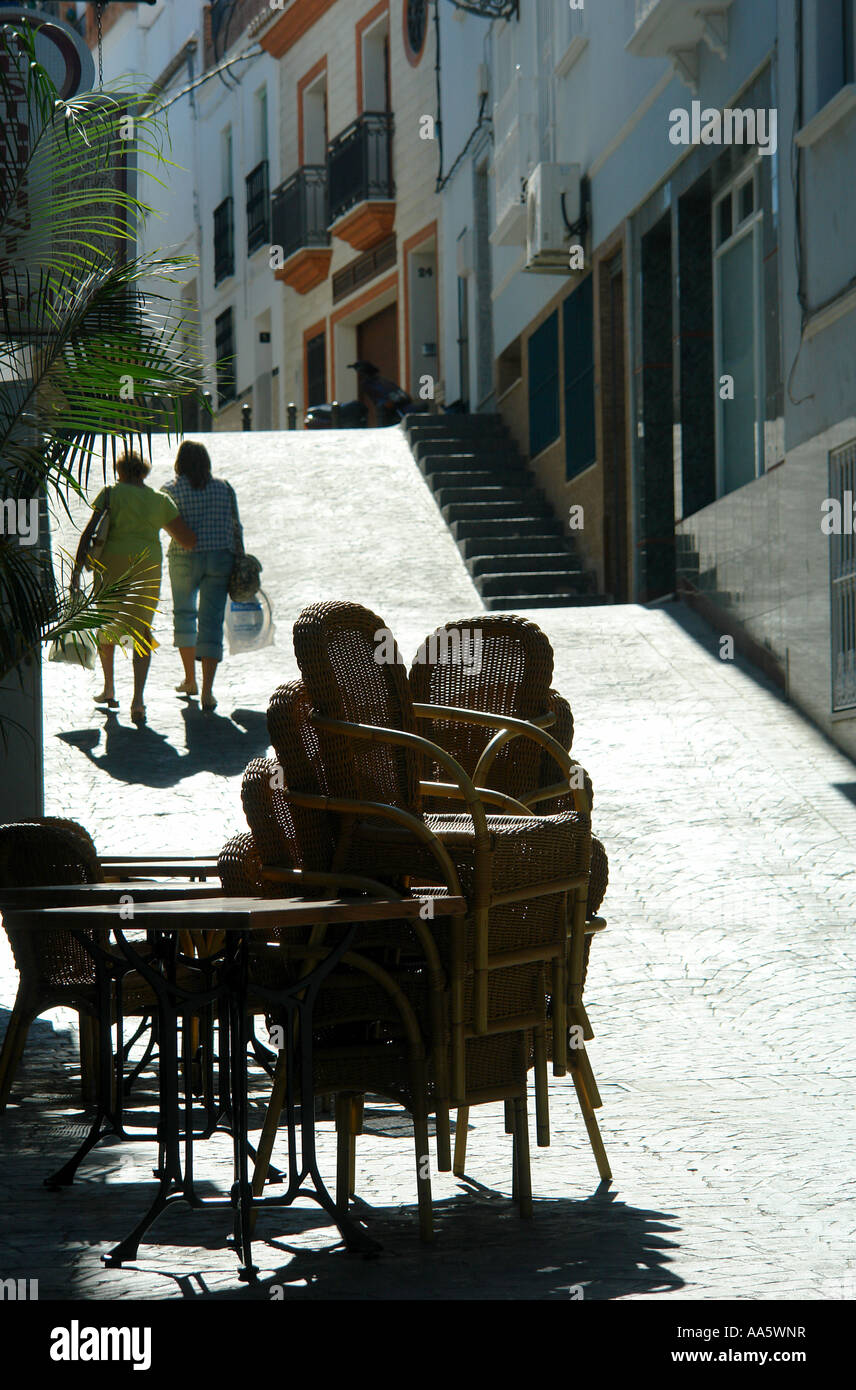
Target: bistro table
122 899
238 919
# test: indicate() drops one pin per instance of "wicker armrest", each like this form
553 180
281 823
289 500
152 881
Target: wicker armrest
509 728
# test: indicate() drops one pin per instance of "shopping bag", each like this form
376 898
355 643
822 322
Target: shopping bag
75 648
249 626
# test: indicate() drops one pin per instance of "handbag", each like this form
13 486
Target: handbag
245 579
98 539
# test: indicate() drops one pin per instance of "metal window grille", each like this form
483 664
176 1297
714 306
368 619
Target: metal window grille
258 207
224 241
842 577
224 330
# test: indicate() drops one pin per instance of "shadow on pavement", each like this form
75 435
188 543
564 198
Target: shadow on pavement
146 758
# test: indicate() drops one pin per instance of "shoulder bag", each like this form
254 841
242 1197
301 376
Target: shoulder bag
245 579
98 538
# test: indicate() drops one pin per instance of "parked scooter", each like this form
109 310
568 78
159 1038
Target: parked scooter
390 401
352 416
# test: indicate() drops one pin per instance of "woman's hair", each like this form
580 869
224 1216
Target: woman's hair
192 462
131 468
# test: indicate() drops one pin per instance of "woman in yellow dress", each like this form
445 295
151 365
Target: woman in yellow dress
137 514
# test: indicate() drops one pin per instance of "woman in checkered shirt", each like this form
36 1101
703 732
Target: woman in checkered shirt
200 578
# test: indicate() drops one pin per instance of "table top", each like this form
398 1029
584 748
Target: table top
160 865
89 894
237 914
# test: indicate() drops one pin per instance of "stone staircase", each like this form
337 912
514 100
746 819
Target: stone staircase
513 544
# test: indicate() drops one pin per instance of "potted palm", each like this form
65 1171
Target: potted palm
95 355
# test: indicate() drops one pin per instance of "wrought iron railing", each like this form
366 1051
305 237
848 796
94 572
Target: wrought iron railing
842 576
359 163
299 216
258 207
224 240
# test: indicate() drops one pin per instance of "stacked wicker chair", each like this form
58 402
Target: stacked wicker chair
503 666
514 870
371 1018
54 968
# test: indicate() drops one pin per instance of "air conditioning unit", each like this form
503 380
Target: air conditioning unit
547 236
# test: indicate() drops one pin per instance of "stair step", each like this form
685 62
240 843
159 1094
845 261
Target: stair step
551 560
490 492
537 582
495 511
513 603
486 547
491 528
416 421
481 477
483 450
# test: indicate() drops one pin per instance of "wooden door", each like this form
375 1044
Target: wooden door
377 341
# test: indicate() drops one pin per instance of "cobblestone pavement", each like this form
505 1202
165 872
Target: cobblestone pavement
721 995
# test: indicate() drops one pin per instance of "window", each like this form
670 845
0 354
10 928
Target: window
415 19
316 370
543 358
224 330
834 47
738 334
842 577
578 335
261 114
226 189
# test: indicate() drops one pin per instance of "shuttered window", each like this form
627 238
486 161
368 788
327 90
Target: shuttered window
544 385
578 335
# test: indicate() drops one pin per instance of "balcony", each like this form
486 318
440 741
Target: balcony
299 227
518 144
571 37
224 240
362 193
258 207
674 29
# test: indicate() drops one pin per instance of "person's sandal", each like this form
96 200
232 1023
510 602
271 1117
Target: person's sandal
208 703
187 688
138 714
104 699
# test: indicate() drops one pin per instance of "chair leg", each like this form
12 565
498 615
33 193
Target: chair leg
542 1102
583 1065
444 1139
508 1106
591 1125
13 1049
423 1178
522 1169
344 1144
461 1123
88 1042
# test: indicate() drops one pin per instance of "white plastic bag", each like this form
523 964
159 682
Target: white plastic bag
75 648
249 626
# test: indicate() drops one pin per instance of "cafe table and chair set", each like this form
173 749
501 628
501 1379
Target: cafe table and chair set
408 916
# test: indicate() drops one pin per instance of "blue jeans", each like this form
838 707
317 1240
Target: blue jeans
200 576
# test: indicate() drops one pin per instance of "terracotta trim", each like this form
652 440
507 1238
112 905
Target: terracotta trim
307 78
382 287
297 20
313 332
382 7
409 245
